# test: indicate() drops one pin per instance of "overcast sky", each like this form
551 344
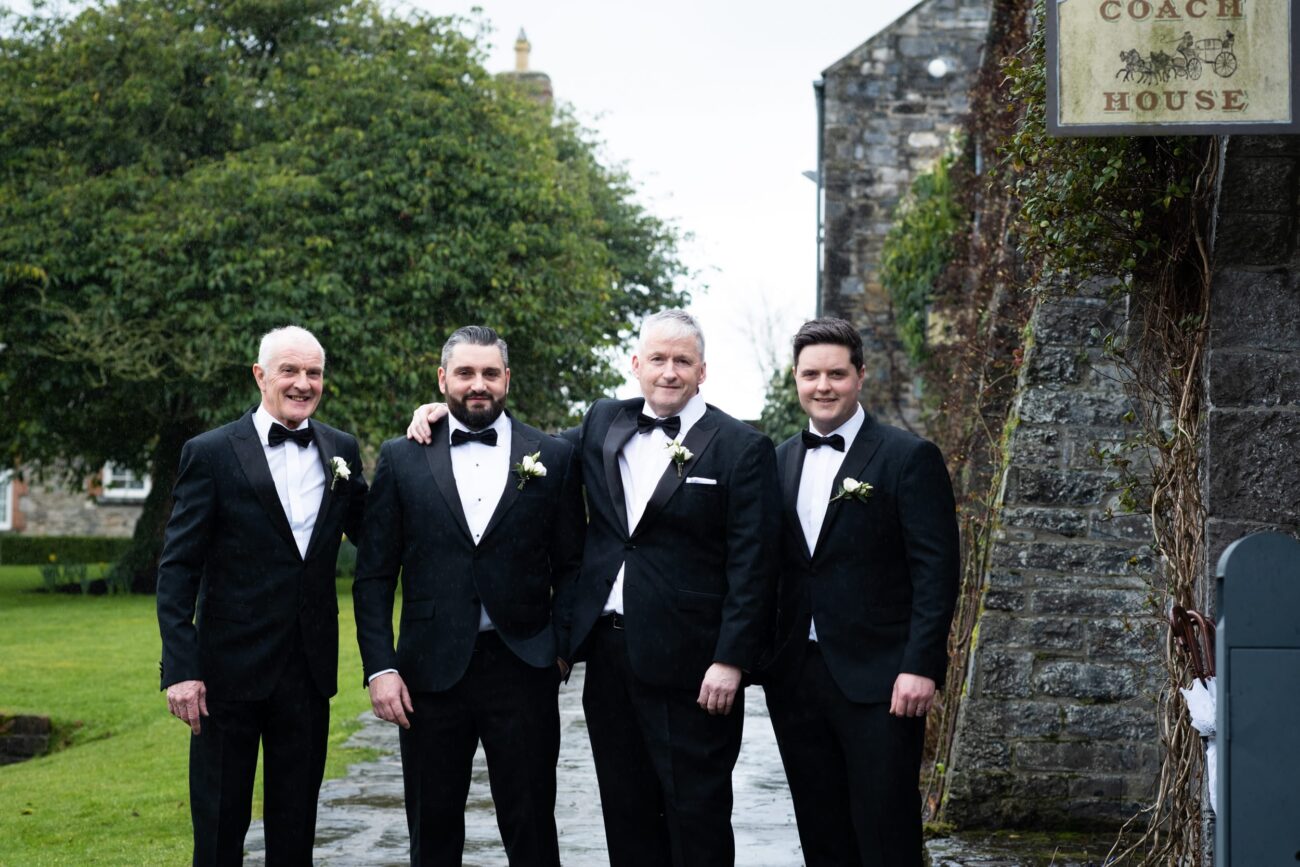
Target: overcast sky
709 105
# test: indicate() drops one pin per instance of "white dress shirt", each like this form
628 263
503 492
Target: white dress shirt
641 464
299 478
481 473
818 481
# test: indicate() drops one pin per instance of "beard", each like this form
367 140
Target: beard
476 419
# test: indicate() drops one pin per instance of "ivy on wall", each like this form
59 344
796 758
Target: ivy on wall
919 247
1058 211
1136 210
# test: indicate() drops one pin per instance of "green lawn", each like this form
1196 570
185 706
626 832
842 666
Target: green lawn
115 792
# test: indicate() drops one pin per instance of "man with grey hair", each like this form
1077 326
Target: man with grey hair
672 605
247 605
673 602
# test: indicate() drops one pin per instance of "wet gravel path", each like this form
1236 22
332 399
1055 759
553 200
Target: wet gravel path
361 822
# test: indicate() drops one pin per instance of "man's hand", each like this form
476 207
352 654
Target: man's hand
718 689
913 695
563 666
423 420
188 701
390 700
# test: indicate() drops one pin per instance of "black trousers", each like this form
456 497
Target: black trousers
663 764
292 727
853 771
513 708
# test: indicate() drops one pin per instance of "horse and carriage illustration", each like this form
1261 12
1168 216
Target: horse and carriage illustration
1187 61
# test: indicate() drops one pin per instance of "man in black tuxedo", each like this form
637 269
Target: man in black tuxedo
483 527
674 599
868 585
673 602
252 542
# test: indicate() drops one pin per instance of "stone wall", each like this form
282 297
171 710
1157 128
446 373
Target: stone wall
1250 468
886 119
23 738
1057 728
49 509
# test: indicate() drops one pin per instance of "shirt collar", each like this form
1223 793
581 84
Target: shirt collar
501 425
848 430
689 414
262 421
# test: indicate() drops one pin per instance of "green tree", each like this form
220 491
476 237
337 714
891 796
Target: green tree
782 417
179 176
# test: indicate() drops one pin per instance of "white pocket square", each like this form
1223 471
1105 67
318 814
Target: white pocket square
700 480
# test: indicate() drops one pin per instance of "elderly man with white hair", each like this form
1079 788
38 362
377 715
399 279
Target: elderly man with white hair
247 605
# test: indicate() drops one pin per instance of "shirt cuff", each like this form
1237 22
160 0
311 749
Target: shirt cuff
377 673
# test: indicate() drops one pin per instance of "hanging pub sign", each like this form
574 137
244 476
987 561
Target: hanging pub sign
1171 67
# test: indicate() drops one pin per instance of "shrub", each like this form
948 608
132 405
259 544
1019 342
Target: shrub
347 562
37 550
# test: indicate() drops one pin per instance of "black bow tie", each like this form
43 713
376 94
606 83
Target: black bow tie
486 437
671 425
812 441
279 433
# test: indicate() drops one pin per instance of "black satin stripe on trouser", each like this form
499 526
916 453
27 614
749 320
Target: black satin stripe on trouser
292 726
663 764
853 771
512 707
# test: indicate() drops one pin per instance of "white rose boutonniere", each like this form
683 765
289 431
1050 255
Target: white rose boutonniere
852 489
680 455
338 470
531 467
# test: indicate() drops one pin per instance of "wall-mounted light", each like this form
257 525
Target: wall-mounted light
938 68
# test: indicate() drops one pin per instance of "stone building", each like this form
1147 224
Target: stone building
1057 728
886 111
107 503
536 84
1057 725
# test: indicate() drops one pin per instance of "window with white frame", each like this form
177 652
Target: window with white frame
6 500
122 484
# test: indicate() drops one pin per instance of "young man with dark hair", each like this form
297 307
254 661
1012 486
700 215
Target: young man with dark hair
867 588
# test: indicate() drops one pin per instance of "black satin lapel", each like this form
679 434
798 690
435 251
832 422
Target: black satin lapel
252 460
325 448
697 440
790 493
793 475
519 446
438 454
620 431
854 466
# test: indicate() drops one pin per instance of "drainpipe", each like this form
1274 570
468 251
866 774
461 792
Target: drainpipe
819 89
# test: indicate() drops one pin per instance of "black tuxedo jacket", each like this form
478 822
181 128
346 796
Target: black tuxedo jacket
228 549
700 565
415 526
883 580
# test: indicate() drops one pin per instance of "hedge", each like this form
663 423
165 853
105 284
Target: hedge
18 550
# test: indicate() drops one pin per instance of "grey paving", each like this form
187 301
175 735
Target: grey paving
361 822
